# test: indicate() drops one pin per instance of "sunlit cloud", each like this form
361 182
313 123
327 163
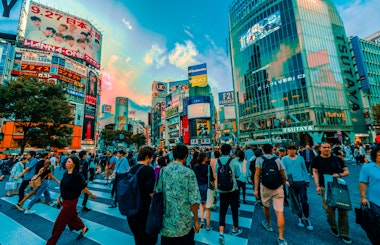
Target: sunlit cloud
155 55
183 56
129 26
188 33
127 59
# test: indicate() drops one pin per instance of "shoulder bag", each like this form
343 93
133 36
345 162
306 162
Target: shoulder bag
156 210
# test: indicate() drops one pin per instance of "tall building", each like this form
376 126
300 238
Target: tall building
291 63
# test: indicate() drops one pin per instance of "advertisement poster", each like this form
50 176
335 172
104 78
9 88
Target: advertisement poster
92 83
159 89
54 30
198 75
203 127
10 12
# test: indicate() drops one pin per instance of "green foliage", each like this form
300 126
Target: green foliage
376 113
41 109
110 136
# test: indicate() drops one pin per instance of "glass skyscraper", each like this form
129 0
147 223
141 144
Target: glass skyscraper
291 63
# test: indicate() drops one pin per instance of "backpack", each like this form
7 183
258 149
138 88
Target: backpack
270 174
128 194
225 180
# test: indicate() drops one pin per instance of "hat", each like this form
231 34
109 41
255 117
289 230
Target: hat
282 149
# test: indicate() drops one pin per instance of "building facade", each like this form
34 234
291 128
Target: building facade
292 67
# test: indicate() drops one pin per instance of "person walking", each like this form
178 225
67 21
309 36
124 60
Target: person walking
327 164
269 192
243 178
205 178
71 186
228 171
146 180
84 167
27 174
308 155
298 180
15 173
181 197
121 167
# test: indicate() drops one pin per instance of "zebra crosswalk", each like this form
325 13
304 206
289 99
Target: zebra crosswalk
106 225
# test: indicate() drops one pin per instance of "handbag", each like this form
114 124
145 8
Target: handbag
338 195
36 180
211 194
156 210
10 186
370 223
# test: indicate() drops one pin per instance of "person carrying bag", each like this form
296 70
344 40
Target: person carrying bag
156 210
338 195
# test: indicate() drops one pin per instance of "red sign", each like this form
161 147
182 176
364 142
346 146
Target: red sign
185 130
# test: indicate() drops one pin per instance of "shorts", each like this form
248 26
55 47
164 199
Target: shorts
277 197
203 192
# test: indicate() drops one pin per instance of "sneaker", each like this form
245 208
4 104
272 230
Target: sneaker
221 239
346 239
300 223
335 232
237 232
308 225
202 224
208 228
29 211
19 207
86 209
266 226
282 242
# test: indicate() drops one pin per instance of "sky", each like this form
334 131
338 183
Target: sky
150 40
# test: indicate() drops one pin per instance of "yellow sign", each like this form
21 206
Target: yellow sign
203 127
198 81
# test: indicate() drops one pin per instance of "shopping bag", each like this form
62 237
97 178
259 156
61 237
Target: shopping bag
156 211
211 198
10 186
295 205
338 195
370 223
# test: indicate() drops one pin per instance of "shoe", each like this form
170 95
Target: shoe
346 239
221 239
113 205
300 223
29 211
82 233
266 226
308 225
334 231
19 207
202 224
208 228
282 242
237 232
51 204
86 209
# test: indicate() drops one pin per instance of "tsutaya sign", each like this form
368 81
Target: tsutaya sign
298 129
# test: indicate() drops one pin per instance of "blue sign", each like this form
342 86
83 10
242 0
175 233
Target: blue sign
227 98
198 100
362 69
197 70
10 12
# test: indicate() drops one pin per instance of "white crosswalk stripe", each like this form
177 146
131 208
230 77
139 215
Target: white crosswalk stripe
101 233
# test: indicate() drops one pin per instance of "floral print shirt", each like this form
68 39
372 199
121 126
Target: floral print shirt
180 188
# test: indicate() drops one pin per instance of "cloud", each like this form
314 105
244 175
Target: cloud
183 56
355 17
127 59
129 26
189 33
155 55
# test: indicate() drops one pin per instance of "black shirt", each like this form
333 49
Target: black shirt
146 179
39 165
328 165
201 172
72 185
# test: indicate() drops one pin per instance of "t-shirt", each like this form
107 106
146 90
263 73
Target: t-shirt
146 179
201 171
296 168
328 165
39 165
370 174
32 162
72 185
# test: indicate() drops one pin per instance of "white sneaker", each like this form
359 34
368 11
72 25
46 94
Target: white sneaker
308 225
29 211
300 223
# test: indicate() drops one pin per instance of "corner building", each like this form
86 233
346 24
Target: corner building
288 59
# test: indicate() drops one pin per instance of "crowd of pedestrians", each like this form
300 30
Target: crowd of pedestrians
278 174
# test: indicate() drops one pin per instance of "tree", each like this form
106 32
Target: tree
376 113
40 108
139 139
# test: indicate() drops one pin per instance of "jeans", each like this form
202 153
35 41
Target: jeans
299 188
42 189
343 227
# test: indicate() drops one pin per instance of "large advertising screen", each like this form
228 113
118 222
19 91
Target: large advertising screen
203 127
198 107
197 75
53 30
260 30
10 12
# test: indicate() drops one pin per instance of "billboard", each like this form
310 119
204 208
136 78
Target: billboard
198 107
183 84
53 30
260 30
159 89
360 64
10 12
121 113
203 127
106 108
92 83
227 98
197 75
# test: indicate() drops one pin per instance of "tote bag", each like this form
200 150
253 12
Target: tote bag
156 211
338 195
211 194
10 185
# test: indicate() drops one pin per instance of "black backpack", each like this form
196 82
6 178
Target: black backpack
128 193
225 180
270 174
